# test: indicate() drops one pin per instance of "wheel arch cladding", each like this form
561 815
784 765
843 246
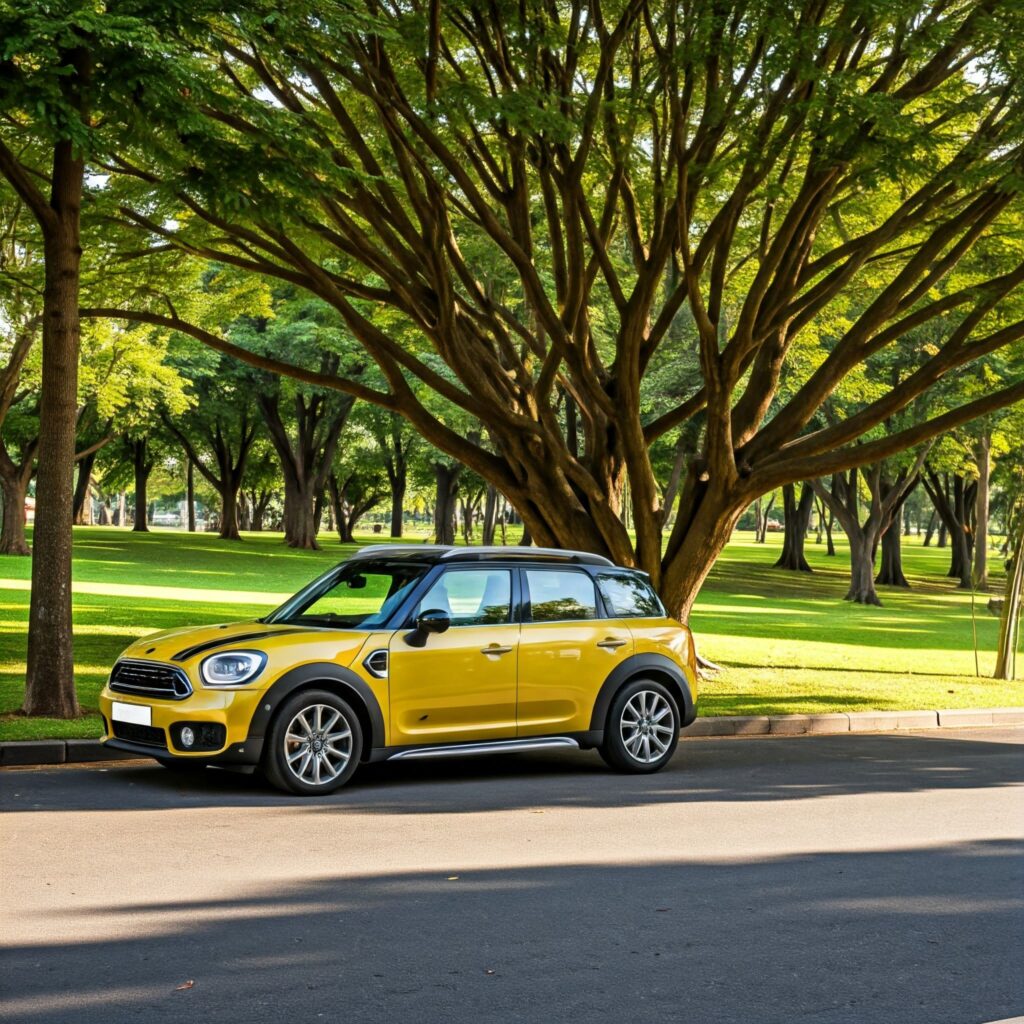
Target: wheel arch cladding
334 679
655 667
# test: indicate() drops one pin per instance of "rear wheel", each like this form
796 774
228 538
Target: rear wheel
314 744
642 731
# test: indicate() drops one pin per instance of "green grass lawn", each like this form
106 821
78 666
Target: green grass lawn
787 642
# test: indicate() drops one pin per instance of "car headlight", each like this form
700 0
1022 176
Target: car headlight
232 668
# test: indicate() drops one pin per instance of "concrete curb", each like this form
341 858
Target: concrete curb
29 752
32 752
852 721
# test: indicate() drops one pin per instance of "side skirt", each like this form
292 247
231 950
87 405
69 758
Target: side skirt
506 746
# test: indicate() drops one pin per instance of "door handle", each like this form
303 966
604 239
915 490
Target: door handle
495 649
610 643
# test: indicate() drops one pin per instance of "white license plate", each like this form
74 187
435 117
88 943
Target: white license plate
137 714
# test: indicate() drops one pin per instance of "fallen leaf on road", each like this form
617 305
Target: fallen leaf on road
487 970
185 985
453 878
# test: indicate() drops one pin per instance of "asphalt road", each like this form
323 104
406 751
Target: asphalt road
824 879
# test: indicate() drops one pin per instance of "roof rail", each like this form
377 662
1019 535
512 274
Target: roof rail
479 554
448 553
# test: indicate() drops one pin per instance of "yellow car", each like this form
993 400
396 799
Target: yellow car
416 651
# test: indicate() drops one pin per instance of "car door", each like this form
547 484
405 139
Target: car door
461 684
566 651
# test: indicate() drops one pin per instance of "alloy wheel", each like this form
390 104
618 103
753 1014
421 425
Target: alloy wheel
646 726
317 744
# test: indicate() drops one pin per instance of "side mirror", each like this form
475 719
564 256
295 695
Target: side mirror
433 620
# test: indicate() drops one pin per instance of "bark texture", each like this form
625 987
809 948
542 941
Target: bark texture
50 676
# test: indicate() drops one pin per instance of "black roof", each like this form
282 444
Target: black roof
446 553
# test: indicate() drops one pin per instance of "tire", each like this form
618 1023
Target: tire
309 751
181 764
644 716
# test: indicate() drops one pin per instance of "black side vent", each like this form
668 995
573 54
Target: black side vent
376 663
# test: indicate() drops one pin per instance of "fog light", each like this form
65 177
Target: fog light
188 737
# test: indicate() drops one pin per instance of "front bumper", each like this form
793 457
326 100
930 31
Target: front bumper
231 709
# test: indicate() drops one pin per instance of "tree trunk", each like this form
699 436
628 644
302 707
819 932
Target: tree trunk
190 495
142 469
244 512
446 478
490 515
397 482
258 509
890 572
12 534
82 485
50 675
229 512
983 454
951 512
305 459
318 511
762 526
862 571
299 519
1009 621
929 530
797 520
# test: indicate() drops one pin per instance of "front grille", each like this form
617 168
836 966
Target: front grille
144 734
151 679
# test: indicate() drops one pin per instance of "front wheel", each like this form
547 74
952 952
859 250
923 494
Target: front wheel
642 731
314 744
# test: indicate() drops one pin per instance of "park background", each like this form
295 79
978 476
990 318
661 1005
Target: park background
640 279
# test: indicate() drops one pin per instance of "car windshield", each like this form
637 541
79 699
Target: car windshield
355 595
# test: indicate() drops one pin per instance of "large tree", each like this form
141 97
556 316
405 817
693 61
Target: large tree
71 88
508 203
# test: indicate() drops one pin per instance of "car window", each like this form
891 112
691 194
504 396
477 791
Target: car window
628 596
559 595
358 596
472 597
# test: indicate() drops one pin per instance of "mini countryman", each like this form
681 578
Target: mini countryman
412 652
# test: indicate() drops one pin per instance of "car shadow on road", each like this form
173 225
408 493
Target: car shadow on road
920 936
702 771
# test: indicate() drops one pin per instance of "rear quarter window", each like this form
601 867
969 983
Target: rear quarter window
629 597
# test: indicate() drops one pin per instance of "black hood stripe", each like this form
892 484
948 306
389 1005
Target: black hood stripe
224 641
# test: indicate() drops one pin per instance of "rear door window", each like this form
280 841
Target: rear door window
560 595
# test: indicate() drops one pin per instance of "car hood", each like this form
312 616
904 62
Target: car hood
193 643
